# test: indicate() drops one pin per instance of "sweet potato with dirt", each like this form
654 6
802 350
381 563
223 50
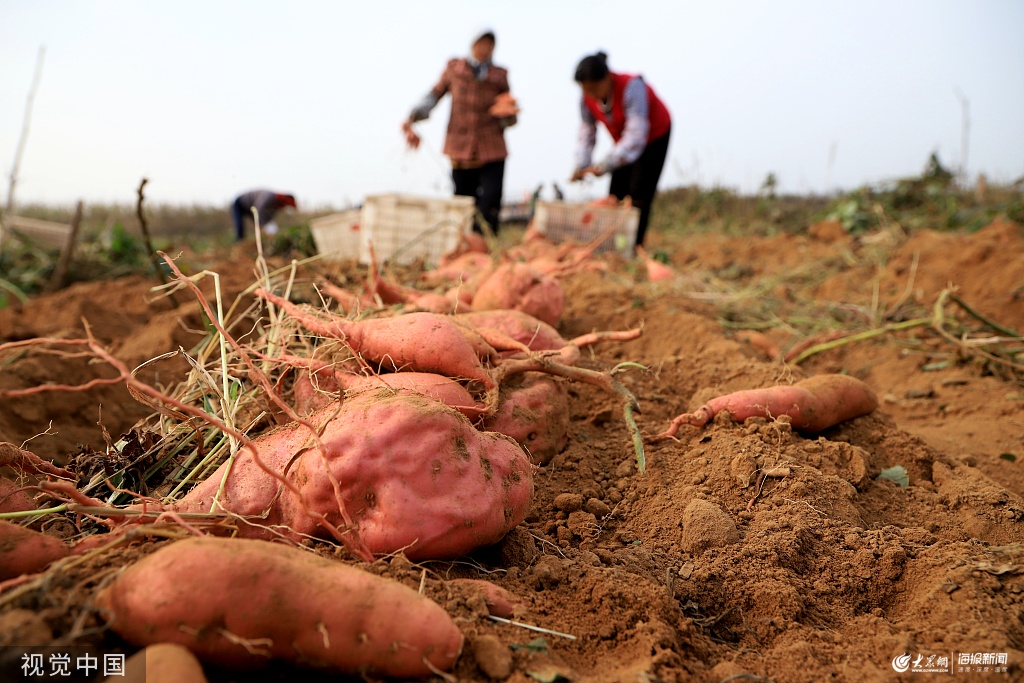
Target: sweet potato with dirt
26 551
319 384
13 497
424 342
533 410
413 475
438 387
521 287
813 404
499 602
242 603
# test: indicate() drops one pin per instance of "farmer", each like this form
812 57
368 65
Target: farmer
639 124
482 108
266 203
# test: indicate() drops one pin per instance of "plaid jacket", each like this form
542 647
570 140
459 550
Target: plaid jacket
474 136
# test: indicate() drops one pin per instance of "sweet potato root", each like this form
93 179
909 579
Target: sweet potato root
26 551
262 601
814 404
412 474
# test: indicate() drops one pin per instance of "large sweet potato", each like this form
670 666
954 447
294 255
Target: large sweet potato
242 603
521 287
413 475
813 404
533 410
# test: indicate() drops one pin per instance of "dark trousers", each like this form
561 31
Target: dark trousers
485 184
238 217
639 180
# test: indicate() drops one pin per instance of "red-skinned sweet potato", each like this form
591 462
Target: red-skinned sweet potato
13 498
521 287
814 404
438 387
26 551
423 342
413 475
261 601
533 410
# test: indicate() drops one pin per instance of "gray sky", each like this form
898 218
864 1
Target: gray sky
208 98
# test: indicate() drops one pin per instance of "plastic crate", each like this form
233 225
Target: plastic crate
584 223
406 228
338 236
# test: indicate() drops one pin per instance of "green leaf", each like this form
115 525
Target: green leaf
1009 457
535 645
896 473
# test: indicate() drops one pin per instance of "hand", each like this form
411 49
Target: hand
581 173
411 139
504 106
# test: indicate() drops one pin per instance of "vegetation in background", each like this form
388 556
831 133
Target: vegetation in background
932 200
110 242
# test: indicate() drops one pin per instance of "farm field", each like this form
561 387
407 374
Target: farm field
744 551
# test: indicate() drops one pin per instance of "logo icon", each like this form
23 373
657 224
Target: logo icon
901 662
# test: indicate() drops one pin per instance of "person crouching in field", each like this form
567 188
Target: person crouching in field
639 123
266 203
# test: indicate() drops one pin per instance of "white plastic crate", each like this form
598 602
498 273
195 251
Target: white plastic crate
584 223
338 236
405 228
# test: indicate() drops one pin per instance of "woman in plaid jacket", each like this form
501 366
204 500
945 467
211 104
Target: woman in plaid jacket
482 108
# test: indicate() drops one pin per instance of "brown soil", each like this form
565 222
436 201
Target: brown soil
702 568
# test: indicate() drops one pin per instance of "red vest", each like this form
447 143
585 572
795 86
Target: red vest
657 112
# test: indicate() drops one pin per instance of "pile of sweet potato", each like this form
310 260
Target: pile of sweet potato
409 420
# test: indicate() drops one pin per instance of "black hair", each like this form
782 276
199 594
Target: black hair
592 68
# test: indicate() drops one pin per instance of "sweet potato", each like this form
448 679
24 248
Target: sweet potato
656 270
438 387
241 603
533 410
499 602
424 342
536 334
523 327
412 474
29 462
459 269
13 498
521 287
319 384
161 663
814 404
26 551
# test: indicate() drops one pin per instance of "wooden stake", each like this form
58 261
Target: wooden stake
61 270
